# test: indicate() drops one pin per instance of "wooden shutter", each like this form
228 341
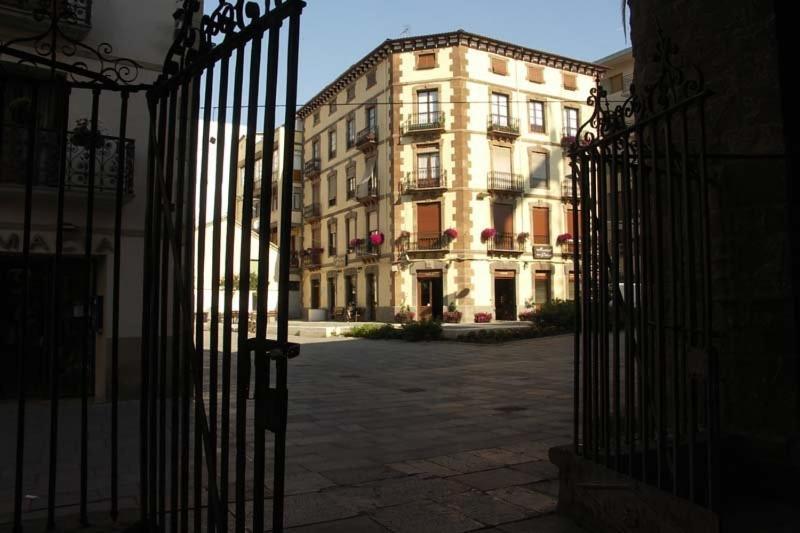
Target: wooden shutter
372 221
427 60
541 225
570 81
536 74
429 219
570 226
501 159
505 274
332 187
538 163
503 218
500 66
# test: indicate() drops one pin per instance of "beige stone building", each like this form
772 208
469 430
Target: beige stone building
434 175
619 74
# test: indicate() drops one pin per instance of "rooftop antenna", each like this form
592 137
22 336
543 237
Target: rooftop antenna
406 30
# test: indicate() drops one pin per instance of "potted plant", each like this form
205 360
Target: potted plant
82 134
483 317
450 234
564 238
355 242
488 234
522 236
376 238
529 311
405 314
452 315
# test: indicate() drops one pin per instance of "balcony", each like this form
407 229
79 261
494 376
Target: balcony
367 139
503 126
505 182
367 191
566 190
312 168
75 16
14 169
423 243
312 258
366 250
422 123
433 181
312 211
505 243
294 260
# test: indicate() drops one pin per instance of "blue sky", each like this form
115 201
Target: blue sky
334 34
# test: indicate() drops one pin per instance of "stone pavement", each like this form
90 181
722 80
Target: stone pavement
395 436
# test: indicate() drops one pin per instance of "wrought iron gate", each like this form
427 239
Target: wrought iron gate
192 455
645 369
197 77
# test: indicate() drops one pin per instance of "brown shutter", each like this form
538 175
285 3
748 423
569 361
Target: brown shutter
503 218
429 219
504 274
501 159
536 74
570 81
429 274
541 225
426 60
499 66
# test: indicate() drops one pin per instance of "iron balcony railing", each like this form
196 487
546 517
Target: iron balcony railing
506 182
423 242
312 258
367 191
424 180
72 12
367 249
312 211
367 138
505 242
16 139
503 125
567 189
312 167
294 260
424 123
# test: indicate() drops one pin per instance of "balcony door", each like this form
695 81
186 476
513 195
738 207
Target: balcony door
428 169
428 106
503 218
430 295
429 225
500 109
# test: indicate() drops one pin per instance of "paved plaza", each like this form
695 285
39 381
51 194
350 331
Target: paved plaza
382 436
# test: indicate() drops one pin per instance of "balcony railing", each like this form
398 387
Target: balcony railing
505 243
566 190
312 258
312 211
424 180
506 182
367 191
312 167
75 13
294 260
366 249
367 138
14 169
423 242
503 125
430 122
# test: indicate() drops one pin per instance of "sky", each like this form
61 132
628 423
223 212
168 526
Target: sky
334 34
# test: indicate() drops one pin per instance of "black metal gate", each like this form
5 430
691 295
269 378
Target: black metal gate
193 457
198 76
645 370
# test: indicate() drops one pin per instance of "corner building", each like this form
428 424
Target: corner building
434 173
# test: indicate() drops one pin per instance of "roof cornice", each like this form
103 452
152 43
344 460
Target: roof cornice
445 40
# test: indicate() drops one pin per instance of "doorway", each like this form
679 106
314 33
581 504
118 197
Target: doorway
505 295
371 297
430 296
331 296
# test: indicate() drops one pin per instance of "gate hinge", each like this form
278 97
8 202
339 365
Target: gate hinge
274 349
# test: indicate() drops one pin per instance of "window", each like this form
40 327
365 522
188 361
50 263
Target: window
331 144
372 222
297 199
332 107
332 239
371 78
429 225
570 122
499 66
350 232
351 92
569 224
428 168
372 119
332 190
541 225
316 118
426 60
536 74
315 151
315 194
571 285
316 236
499 109
275 196
536 115
538 170
351 181
315 294
428 106
274 162
351 132
541 286
273 235
615 83
501 161
570 81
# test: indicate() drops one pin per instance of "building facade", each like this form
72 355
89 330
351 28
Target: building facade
435 176
45 131
619 74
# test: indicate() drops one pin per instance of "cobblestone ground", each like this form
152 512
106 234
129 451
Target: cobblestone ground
382 436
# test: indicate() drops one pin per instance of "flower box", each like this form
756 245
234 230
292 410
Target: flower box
404 316
452 317
488 233
564 238
527 315
482 318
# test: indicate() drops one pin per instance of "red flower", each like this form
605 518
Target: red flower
451 233
488 233
376 238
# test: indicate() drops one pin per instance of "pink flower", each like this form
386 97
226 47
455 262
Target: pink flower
376 238
451 233
488 233
564 238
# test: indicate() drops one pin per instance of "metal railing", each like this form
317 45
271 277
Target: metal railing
367 137
367 190
312 210
424 122
312 257
505 242
505 182
567 190
423 242
424 180
312 167
503 124
366 248
77 12
14 169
